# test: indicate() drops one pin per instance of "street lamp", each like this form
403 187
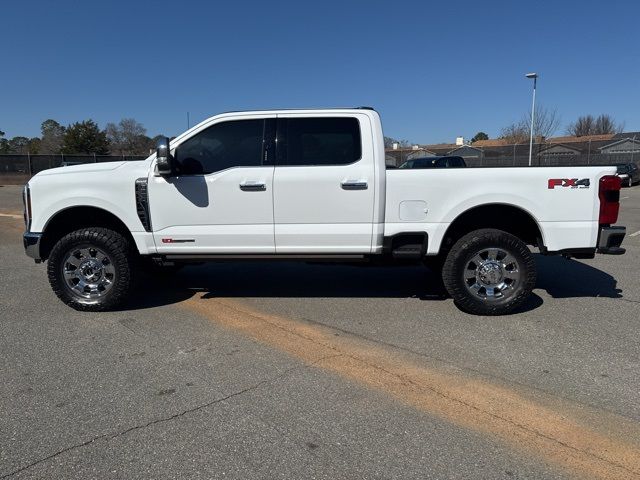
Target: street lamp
533 111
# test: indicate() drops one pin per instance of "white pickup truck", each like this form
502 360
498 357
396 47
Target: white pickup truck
311 185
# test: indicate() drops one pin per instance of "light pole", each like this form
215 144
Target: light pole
533 111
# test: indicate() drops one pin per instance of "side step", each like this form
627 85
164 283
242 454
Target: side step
406 246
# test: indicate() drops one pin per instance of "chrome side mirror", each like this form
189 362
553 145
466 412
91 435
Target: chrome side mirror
164 160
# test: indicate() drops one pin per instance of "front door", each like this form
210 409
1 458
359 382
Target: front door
220 199
324 184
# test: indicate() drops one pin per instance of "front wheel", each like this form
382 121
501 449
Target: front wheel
489 272
90 269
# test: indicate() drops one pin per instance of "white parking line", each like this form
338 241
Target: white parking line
10 215
623 198
635 234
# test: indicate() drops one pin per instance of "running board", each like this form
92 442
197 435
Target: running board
275 256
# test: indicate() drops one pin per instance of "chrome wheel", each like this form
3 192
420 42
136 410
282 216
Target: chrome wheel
492 274
88 272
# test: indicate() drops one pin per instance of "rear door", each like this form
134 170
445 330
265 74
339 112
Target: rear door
324 186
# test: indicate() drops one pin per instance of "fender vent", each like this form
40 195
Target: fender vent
142 203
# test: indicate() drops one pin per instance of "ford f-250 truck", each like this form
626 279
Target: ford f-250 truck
311 185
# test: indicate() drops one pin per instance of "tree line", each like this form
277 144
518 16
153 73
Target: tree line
547 122
127 137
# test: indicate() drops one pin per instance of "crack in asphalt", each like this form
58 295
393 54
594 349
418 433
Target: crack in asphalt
111 436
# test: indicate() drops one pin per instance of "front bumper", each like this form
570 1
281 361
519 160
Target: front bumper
31 243
610 239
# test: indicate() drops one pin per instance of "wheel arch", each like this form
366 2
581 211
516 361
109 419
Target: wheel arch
502 216
76 217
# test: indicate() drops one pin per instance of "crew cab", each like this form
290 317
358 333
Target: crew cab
311 185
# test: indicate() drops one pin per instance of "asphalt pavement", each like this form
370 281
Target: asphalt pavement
290 370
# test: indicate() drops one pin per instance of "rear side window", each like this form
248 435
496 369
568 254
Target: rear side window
319 141
224 145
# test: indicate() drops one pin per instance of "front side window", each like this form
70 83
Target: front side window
224 145
319 141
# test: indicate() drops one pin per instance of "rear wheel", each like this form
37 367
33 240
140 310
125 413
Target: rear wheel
90 269
489 272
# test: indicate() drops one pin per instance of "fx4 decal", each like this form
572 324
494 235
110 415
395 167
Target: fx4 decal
569 182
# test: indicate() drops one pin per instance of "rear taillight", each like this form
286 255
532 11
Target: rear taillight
609 193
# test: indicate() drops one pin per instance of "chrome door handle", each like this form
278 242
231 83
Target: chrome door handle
253 186
354 185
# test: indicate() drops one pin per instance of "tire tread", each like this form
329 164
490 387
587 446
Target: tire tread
121 254
458 291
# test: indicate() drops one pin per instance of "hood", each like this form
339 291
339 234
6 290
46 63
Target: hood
84 168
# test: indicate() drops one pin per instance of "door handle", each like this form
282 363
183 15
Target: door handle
253 186
354 185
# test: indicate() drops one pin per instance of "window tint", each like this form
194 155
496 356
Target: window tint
221 146
318 141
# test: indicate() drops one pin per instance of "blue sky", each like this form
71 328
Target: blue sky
434 70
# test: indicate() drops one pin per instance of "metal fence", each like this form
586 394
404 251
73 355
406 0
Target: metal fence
32 164
17 169
521 159
553 160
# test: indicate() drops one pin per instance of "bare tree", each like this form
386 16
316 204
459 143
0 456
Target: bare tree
128 137
545 124
606 124
589 125
389 141
516 132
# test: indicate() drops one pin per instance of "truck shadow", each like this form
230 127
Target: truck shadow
559 277
565 278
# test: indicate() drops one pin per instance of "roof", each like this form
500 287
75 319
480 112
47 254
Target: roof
550 146
619 136
492 142
622 140
584 138
441 146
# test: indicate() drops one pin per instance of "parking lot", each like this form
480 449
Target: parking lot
283 370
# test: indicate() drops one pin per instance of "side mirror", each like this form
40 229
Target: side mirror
164 160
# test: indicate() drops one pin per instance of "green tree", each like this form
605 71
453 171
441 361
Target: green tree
52 136
480 136
19 145
34 145
85 137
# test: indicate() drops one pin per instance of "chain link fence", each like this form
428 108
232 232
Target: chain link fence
516 156
18 169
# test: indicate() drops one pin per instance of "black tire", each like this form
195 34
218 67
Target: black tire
119 259
475 286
